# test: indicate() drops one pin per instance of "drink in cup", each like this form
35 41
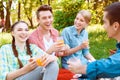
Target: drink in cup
39 62
60 40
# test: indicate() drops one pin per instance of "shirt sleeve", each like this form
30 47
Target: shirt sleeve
104 68
65 35
3 63
36 50
85 37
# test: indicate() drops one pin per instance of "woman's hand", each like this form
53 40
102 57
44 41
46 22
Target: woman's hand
85 44
27 68
46 59
30 66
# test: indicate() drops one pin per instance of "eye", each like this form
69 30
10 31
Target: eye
26 29
81 20
44 17
19 29
77 18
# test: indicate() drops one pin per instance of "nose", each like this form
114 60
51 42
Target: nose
24 31
48 20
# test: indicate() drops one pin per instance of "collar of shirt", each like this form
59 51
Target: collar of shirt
52 33
74 31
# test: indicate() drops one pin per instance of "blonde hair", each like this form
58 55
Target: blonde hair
86 14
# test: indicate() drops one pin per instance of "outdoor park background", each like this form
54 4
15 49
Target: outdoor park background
64 13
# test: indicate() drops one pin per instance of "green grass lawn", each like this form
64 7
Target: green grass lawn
100 44
5 38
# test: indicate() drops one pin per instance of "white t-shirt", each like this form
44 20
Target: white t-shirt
48 44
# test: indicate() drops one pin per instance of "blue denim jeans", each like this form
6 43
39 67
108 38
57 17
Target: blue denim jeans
51 73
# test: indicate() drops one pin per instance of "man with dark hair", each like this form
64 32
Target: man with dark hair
109 67
45 35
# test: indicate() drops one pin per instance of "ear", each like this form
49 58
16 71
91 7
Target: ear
116 25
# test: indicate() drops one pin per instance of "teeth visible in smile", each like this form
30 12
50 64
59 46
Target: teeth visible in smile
23 36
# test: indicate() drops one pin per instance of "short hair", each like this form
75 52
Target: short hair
113 12
86 14
43 8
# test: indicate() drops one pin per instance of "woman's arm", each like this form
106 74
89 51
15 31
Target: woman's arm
15 74
75 49
19 72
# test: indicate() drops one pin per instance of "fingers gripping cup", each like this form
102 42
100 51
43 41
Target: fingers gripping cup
40 63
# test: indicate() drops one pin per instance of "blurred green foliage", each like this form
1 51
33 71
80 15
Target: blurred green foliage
65 16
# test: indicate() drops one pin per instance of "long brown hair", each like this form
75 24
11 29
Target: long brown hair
14 46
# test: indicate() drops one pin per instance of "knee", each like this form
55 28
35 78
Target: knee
53 66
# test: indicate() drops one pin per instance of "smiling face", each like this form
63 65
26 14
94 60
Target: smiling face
80 22
20 32
45 19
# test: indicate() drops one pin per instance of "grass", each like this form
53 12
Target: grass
5 38
100 44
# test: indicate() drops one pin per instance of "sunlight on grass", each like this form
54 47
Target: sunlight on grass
95 28
5 38
100 44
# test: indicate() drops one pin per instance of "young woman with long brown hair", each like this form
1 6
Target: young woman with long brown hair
14 61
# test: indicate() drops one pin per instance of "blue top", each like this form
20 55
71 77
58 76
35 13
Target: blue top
73 39
108 68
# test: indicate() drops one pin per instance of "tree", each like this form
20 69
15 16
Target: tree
28 5
7 19
1 14
19 9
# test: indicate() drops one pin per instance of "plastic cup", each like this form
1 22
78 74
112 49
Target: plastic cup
60 40
39 63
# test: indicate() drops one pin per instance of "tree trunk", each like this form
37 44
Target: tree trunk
95 4
7 22
40 2
31 23
2 22
19 6
1 10
48 2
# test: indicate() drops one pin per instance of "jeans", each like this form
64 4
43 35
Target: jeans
51 73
